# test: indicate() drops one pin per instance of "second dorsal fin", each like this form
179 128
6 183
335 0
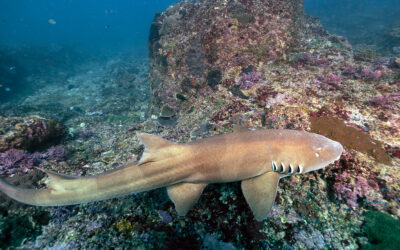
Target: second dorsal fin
154 147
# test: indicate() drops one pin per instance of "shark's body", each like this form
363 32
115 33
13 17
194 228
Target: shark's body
257 158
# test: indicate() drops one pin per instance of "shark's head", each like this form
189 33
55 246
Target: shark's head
319 152
303 152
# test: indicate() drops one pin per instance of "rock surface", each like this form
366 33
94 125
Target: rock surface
197 45
29 133
266 65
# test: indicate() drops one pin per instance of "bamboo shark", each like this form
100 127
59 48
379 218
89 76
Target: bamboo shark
256 158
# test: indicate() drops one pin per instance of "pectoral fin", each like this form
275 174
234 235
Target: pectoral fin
185 195
260 193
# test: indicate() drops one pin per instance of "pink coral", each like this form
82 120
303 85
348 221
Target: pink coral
377 74
366 72
386 101
350 190
333 79
349 69
248 80
355 185
14 161
369 73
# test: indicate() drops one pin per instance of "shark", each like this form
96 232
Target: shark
257 158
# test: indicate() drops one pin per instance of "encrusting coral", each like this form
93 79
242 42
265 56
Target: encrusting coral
262 64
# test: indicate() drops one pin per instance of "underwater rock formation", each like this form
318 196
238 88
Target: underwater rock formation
29 133
209 73
263 65
196 45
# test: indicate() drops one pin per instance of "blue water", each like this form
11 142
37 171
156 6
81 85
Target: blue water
111 26
366 22
104 24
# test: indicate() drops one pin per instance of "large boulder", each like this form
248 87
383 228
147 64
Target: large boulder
265 65
195 46
31 133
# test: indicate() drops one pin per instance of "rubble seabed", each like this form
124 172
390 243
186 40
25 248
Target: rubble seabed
322 80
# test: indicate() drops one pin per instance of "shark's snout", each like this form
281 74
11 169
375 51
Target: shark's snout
337 150
324 152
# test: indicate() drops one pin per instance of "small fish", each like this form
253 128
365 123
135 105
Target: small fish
107 11
7 89
52 21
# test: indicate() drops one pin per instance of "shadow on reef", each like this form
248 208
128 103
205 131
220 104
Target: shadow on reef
17 227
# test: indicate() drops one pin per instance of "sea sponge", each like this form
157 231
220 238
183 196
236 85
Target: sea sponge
382 231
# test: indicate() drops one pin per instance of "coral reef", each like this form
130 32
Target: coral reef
29 133
321 85
236 34
216 64
14 161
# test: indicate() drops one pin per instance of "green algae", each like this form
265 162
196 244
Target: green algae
382 231
125 226
15 228
121 118
219 103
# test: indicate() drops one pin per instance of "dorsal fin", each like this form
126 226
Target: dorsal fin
152 144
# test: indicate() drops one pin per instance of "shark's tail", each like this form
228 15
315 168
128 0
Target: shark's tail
155 169
61 190
23 195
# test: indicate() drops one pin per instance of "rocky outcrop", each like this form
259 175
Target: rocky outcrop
196 46
29 133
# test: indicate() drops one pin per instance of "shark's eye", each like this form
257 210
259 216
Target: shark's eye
282 168
290 169
274 167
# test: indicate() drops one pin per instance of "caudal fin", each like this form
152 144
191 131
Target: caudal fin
23 195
